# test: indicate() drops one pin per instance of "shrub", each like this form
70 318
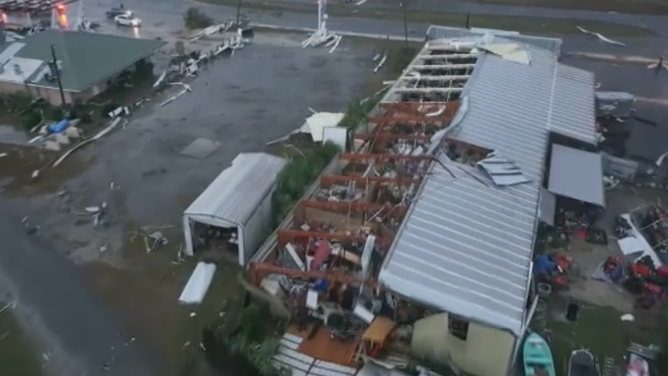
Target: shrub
296 176
196 19
31 119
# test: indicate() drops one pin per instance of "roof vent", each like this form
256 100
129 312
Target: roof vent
502 171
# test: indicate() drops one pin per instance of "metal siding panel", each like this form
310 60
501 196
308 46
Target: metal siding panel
577 174
236 192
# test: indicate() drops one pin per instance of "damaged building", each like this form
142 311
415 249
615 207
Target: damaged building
88 63
419 243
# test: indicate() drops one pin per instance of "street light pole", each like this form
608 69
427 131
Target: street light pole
404 4
238 11
56 72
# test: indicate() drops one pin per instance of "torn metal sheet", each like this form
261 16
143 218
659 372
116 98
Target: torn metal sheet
601 37
99 135
186 89
317 122
198 284
123 110
160 79
509 51
380 64
502 171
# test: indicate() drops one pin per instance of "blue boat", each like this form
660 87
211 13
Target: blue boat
538 359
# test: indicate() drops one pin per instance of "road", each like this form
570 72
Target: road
74 329
162 16
656 23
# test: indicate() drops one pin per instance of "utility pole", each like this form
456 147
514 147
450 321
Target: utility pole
238 12
468 20
56 72
404 4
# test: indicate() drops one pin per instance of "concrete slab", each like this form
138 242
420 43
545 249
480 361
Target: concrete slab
200 148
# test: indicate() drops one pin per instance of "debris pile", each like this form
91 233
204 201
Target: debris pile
322 35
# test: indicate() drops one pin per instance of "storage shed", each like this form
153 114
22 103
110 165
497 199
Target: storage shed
233 212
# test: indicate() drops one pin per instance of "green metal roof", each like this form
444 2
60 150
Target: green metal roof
86 58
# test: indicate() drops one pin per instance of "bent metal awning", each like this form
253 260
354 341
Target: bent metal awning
577 174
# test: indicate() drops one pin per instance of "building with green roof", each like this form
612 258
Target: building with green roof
88 63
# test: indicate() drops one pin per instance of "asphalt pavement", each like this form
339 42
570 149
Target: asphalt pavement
77 335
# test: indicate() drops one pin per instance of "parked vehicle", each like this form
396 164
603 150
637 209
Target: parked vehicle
124 20
113 12
538 359
583 363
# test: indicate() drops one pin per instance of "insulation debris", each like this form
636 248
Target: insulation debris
601 37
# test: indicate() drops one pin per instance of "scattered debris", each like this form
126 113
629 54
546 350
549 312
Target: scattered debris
160 79
322 35
10 305
123 110
601 37
114 123
186 89
627 317
5 334
198 284
382 61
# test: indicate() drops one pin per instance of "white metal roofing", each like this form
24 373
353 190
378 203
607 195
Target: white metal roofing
466 245
444 32
576 174
574 104
236 193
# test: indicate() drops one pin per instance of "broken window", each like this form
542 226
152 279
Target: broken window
458 327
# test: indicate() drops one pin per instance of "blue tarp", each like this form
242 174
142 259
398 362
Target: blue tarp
58 127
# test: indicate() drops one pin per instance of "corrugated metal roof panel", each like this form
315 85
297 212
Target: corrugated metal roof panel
466 246
573 110
235 194
577 174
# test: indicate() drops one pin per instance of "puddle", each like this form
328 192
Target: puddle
10 135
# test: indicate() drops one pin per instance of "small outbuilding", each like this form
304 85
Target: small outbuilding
234 211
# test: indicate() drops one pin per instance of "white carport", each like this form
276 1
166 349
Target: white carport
239 197
576 174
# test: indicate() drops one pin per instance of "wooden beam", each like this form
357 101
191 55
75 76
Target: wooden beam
287 236
425 77
427 90
392 136
411 120
328 180
260 269
344 206
439 66
447 56
384 157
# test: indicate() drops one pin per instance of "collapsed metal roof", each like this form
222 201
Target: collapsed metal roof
466 244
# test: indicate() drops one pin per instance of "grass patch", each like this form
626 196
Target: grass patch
601 331
522 24
296 177
16 355
598 329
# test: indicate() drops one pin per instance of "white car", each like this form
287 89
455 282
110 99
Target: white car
127 20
